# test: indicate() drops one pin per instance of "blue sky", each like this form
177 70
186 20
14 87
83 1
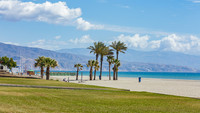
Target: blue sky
167 25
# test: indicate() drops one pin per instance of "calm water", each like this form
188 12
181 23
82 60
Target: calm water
161 75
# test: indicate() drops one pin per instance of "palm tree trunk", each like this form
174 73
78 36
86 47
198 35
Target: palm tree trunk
117 71
117 53
114 73
109 72
95 69
42 71
91 73
101 67
47 73
77 74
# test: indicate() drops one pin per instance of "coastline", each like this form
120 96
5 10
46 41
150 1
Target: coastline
186 88
156 75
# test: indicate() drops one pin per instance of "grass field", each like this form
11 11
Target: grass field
37 100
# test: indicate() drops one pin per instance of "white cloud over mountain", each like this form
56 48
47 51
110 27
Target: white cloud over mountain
173 42
47 44
11 43
54 13
135 41
55 44
83 40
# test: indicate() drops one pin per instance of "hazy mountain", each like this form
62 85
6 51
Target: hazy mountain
28 54
156 57
77 51
161 57
67 60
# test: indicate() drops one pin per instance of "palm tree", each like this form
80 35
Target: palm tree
118 47
91 64
50 63
79 67
104 52
96 50
110 60
115 68
40 62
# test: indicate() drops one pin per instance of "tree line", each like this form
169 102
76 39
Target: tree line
99 49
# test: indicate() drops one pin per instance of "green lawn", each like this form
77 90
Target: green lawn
37 100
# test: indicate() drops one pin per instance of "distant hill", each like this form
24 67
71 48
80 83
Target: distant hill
161 57
77 51
28 54
155 57
68 58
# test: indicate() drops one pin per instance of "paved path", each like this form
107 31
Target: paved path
54 87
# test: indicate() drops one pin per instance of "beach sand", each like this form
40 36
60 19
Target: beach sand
186 88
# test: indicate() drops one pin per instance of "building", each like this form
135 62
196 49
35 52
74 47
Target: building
4 68
30 72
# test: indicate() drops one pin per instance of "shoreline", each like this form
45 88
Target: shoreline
154 75
164 79
85 76
185 88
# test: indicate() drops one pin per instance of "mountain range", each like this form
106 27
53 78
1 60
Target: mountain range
131 61
155 57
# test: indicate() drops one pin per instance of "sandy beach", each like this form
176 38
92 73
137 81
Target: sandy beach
186 88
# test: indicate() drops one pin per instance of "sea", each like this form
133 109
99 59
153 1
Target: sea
158 75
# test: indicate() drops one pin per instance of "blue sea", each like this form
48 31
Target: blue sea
159 75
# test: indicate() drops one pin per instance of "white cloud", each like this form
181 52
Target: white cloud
57 37
58 13
135 41
133 30
173 42
83 40
54 13
124 6
196 1
11 43
47 44
84 25
56 44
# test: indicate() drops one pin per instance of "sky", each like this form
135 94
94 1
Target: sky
144 25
